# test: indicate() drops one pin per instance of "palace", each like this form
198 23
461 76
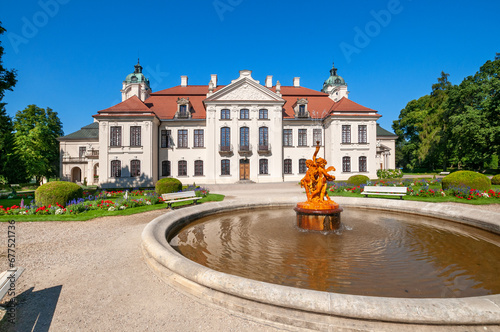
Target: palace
242 131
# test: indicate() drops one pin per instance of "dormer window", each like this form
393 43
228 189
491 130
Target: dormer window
183 109
301 108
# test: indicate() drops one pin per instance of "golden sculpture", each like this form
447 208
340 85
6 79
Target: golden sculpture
315 183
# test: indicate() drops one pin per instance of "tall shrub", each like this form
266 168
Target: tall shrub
57 192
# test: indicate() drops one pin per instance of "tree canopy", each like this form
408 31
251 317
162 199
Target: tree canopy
455 125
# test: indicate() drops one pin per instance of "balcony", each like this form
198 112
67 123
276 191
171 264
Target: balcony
70 160
245 149
226 149
92 154
264 149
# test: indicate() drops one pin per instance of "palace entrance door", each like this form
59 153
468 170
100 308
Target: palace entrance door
244 169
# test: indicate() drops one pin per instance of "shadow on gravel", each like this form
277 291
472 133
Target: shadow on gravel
34 310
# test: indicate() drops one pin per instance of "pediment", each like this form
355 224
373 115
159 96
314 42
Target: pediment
244 89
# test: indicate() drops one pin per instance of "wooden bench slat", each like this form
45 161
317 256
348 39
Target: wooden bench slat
180 197
5 279
384 191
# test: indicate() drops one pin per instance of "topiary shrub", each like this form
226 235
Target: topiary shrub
470 179
60 192
358 180
389 173
168 185
496 179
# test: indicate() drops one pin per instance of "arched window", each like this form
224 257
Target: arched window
263 166
263 114
225 114
198 167
263 138
244 114
225 167
116 168
302 166
225 139
287 166
244 139
346 164
165 168
182 168
135 168
362 164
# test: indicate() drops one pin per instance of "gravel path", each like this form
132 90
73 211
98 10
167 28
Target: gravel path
91 276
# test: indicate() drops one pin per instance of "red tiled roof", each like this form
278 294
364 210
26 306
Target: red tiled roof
165 106
347 105
133 104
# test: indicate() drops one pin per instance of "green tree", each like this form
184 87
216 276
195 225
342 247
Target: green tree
474 117
36 133
7 82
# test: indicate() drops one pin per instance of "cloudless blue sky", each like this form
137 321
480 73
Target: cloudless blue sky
72 55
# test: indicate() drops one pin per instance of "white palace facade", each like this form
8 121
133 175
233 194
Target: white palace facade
242 131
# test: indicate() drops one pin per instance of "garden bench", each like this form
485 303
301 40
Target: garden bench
385 191
7 277
179 197
444 173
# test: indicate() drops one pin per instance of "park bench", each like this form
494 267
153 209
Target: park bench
7 278
180 197
385 191
444 173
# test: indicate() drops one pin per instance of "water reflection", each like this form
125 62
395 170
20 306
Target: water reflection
377 254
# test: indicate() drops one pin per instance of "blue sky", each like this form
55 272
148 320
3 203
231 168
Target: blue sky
72 55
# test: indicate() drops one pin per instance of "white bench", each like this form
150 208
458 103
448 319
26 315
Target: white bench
180 197
385 191
444 173
7 278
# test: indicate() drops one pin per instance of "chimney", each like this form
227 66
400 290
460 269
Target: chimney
296 82
269 81
184 80
213 79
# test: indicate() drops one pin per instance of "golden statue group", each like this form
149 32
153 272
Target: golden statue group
315 183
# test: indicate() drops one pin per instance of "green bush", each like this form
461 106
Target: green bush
496 179
358 180
389 173
168 185
60 192
470 179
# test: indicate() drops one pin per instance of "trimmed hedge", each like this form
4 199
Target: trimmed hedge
470 179
168 185
389 173
496 179
60 192
358 179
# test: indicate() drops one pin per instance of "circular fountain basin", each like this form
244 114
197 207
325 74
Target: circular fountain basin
316 308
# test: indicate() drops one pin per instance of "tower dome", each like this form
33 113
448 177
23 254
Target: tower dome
333 81
137 76
136 84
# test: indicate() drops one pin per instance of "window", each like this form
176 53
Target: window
263 169
199 138
182 168
346 164
317 136
302 166
182 138
287 166
183 111
165 168
287 137
362 134
116 168
198 167
225 139
135 168
362 164
225 114
263 138
244 113
302 137
225 167
302 111
263 114
346 134
166 137
244 139
116 136
135 136
81 151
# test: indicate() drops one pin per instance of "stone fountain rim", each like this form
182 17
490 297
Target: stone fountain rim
454 311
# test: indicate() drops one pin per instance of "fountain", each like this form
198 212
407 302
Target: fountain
319 212
179 247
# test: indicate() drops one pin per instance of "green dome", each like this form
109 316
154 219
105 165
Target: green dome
137 76
333 80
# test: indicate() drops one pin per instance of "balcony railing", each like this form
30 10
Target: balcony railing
92 154
244 148
225 149
67 159
264 148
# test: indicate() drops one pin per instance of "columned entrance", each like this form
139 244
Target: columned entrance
244 169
